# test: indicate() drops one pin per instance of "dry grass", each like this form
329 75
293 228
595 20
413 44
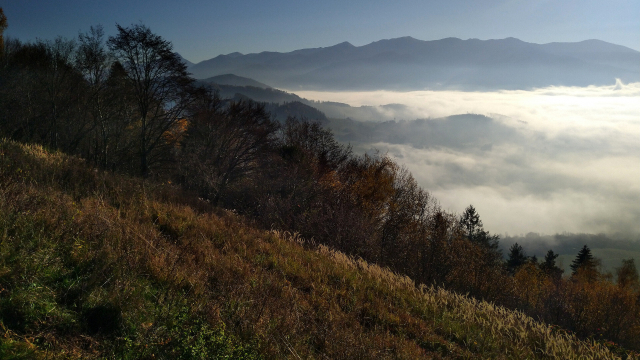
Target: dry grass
94 265
480 325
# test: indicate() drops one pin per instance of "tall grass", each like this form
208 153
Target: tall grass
94 265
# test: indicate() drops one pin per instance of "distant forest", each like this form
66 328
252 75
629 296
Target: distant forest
126 104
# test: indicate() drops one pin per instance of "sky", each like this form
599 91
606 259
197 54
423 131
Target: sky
202 29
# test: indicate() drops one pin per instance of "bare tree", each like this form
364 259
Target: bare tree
160 86
107 98
41 93
3 26
223 143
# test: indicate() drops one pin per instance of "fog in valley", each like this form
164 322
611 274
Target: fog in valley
551 160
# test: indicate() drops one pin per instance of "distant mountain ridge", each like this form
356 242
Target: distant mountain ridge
185 61
279 103
283 104
234 80
410 64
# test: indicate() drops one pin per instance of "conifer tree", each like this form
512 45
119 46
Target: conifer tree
472 227
627 275
549 266
516 259
584 260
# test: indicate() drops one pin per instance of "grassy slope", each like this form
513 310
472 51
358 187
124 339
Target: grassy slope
95 265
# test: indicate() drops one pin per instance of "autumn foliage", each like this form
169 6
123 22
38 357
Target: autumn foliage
289 177
95 265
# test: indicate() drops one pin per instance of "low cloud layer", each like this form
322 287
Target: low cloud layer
552 160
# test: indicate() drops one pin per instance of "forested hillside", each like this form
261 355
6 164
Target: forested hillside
115 241
98 265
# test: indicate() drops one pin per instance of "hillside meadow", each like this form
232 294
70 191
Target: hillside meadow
96 265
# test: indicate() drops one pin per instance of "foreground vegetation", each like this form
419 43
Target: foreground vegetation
198 154
94 265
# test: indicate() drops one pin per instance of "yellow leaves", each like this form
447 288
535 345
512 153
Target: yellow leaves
332 180
530 283
177 133
371 183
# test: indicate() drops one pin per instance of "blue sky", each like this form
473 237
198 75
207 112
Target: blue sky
201 29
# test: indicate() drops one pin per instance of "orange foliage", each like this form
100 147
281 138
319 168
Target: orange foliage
532 285
587 303
176 134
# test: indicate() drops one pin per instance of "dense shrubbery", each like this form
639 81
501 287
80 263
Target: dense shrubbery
87 100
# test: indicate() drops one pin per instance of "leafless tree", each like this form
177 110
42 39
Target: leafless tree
160 86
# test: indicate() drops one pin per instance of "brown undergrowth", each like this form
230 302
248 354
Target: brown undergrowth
94 265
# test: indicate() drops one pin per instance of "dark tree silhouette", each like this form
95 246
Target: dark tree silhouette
627 275
473 229
223 143
103 99
516 259
160 86
549 266
584 260
3 26
41 91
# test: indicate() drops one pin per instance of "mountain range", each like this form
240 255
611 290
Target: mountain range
234 80
282 104
409 64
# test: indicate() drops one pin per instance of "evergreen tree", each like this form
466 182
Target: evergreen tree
549 266
516 259
550 259
472 227
628 275
584 260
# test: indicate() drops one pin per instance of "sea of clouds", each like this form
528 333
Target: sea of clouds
553 160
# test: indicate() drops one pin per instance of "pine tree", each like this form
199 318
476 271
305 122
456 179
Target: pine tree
472 227
516 259
584 260
628 275
549 266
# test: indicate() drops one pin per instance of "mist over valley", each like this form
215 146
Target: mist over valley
551 160
547 161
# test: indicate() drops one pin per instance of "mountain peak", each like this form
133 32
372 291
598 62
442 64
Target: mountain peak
403 40
407 38
344 44
511 39
187 62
